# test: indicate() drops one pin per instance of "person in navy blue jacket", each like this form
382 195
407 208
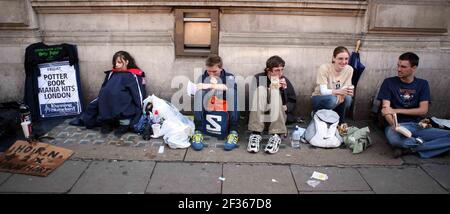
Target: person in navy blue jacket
120 97
218 89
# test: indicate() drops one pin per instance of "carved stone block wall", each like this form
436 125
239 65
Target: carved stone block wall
304 33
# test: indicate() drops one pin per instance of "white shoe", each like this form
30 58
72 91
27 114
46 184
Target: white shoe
273 145
253 143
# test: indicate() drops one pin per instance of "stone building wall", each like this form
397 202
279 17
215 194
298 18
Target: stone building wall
303 32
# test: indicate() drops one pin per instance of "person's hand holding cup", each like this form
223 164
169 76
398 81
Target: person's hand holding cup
274 82
350 90
283 84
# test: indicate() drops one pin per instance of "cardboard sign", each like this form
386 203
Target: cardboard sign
33 159
58 90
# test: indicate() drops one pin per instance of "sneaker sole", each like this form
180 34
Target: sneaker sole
270 152
229 149
197 149
252 151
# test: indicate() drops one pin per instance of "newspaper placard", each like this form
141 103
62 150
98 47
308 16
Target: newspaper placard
58 90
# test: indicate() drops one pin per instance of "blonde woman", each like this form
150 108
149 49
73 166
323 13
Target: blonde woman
334 88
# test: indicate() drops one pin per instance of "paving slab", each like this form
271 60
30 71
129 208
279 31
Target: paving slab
126 150
339 179
59 181
415 159
91 144
378 154
400 180
439 172
340 192
186 178
4 176
257 179
114 177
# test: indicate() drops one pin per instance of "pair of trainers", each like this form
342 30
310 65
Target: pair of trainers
230 143
272 146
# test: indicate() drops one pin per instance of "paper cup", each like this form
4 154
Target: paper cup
213 80
274 82
26 128
156 130
351 87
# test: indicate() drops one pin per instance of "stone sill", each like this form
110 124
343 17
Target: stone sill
101 6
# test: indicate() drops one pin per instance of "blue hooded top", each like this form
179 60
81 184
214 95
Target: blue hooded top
120 97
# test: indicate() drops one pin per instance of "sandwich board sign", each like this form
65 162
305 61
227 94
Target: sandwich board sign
58 90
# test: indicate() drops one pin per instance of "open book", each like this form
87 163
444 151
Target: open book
400 129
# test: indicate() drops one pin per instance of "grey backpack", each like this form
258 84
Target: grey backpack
322 130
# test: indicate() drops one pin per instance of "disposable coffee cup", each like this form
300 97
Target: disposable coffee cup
349 87
156 130
26 128
274 82
352 88
213 80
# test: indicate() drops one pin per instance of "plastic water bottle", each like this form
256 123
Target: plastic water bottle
156 118
296 135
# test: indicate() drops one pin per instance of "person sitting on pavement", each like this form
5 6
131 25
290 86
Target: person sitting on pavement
334 88
120 97
405 98
271 93
215 105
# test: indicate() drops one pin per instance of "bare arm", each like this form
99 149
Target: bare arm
387 111
421 111
204 86
341 91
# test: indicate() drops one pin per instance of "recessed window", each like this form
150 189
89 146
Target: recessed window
196 32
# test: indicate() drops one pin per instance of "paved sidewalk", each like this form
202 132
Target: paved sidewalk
129 165
138 177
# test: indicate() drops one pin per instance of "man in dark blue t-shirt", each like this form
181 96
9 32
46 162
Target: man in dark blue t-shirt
407 98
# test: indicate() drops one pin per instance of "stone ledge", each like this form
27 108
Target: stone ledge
345 12
98 6
286 39
19 37
351 4
369 41
412 2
